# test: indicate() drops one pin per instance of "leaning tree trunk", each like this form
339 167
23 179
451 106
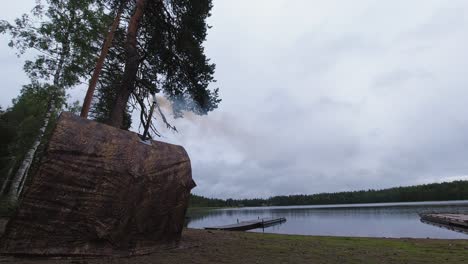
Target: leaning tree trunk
18 181
100 62
8 176
20 177
131 66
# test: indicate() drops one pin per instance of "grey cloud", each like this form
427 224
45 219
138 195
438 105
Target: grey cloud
328 96
397 77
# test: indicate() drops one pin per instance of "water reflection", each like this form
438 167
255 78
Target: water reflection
449 227
371 220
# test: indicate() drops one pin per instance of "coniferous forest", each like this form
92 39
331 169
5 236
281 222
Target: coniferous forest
447 191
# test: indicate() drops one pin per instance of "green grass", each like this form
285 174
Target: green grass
201 246
362 250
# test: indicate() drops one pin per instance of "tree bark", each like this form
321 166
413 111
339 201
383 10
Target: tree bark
131 66
100 62
8 176
19 179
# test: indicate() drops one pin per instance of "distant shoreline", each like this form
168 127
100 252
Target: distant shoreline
356 205
446 191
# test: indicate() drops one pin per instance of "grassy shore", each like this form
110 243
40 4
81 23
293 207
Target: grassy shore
200 246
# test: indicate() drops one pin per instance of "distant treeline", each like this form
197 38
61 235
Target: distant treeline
457 190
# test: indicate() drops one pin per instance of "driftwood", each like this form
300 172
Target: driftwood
101 191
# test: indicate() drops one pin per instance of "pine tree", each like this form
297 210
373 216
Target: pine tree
100 63
162 53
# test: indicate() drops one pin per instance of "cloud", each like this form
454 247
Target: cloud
325 96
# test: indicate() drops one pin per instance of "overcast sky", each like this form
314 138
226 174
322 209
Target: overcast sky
322 96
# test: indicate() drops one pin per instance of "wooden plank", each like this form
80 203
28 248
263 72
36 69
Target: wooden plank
459 220
251 224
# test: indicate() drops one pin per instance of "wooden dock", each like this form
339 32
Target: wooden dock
251 224
456 220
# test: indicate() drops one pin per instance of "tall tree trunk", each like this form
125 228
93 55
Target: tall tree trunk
8 176
100 62
131 66
18 181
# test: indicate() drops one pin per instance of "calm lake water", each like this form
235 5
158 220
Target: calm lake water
362 220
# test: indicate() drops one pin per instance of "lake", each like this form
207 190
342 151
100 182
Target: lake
361 220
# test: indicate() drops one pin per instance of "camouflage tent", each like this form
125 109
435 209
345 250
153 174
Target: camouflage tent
101 191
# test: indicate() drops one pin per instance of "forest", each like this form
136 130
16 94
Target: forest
446 191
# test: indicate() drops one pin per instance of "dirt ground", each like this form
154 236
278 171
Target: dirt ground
200 246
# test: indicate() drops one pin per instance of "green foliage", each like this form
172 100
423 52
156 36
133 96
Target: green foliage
200 201
20 124
175 57
66 35
101 109
457 190
108 85
74 107
171 61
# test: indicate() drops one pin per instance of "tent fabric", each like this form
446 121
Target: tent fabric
101 191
